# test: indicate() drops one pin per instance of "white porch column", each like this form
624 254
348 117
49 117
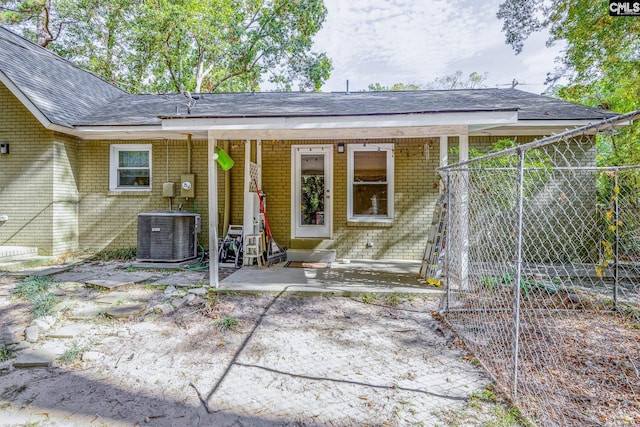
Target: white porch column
213 212
444 150
464 147
464 215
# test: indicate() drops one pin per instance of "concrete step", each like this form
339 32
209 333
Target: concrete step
311 255
17 253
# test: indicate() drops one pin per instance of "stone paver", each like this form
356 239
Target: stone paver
32 334
112 298
69 331
119 280
34 359
184 279
125 311
77 277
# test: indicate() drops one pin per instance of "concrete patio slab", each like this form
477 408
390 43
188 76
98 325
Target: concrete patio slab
342 278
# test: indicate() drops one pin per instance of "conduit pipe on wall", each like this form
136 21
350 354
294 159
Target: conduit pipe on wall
189 153
227 194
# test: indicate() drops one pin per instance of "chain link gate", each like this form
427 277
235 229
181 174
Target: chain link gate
542 273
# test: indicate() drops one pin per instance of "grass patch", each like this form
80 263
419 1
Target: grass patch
73 353
35 289
394 300
227 323
6 353
32 286
121 254
369 298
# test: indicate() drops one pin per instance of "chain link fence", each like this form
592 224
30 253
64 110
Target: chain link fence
542 267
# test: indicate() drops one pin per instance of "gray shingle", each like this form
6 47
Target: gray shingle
62 91
70 96
143 109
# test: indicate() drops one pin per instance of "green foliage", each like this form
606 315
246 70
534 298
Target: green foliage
601 60
182 45
32 286
120 254
452 81
6 353
35 289
73 353
43 305
369 298
312 197
227 323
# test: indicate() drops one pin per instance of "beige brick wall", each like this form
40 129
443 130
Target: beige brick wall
415 192
110 220
26 178
65 194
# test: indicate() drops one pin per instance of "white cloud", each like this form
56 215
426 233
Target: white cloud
415 41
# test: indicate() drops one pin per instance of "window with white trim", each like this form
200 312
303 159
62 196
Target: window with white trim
370 182
130 167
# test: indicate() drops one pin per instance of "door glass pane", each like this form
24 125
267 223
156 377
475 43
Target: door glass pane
312 189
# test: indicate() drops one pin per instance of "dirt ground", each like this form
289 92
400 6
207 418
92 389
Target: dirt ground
242 360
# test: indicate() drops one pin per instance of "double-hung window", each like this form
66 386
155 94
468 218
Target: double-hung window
370 182
130 167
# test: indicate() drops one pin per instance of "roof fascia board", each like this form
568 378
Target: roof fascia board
342 122
343 133
128 133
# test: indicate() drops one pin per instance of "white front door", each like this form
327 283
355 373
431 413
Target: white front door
312 190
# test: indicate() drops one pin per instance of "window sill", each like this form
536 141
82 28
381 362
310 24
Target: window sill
135 193
370 222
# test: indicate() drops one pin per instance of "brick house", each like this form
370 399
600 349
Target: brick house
350 172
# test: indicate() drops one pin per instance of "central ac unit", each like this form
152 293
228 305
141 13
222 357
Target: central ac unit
167 236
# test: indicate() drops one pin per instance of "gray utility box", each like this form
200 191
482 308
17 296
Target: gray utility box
168 236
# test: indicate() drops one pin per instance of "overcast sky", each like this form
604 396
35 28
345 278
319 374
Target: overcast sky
415 41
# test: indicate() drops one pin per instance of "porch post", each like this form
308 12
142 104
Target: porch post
444 150
444 156
464 214
213 212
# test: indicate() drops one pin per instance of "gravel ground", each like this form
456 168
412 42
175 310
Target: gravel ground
246 360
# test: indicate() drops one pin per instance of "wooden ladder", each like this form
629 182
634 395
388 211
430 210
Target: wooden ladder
432 261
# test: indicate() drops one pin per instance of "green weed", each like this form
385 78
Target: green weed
227 323
73 353
43 305
394 300
32 286
6 354
35 290
369 298
120 254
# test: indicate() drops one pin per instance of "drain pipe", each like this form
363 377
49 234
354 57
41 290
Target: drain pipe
189 153
227 195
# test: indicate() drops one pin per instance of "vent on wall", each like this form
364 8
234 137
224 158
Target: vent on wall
167 236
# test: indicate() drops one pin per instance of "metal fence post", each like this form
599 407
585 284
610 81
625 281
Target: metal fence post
518 261
447 235
616 215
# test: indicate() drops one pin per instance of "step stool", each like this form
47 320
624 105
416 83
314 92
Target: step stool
253 250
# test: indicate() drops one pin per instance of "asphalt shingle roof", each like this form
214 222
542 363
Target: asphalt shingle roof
70 96
61 91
